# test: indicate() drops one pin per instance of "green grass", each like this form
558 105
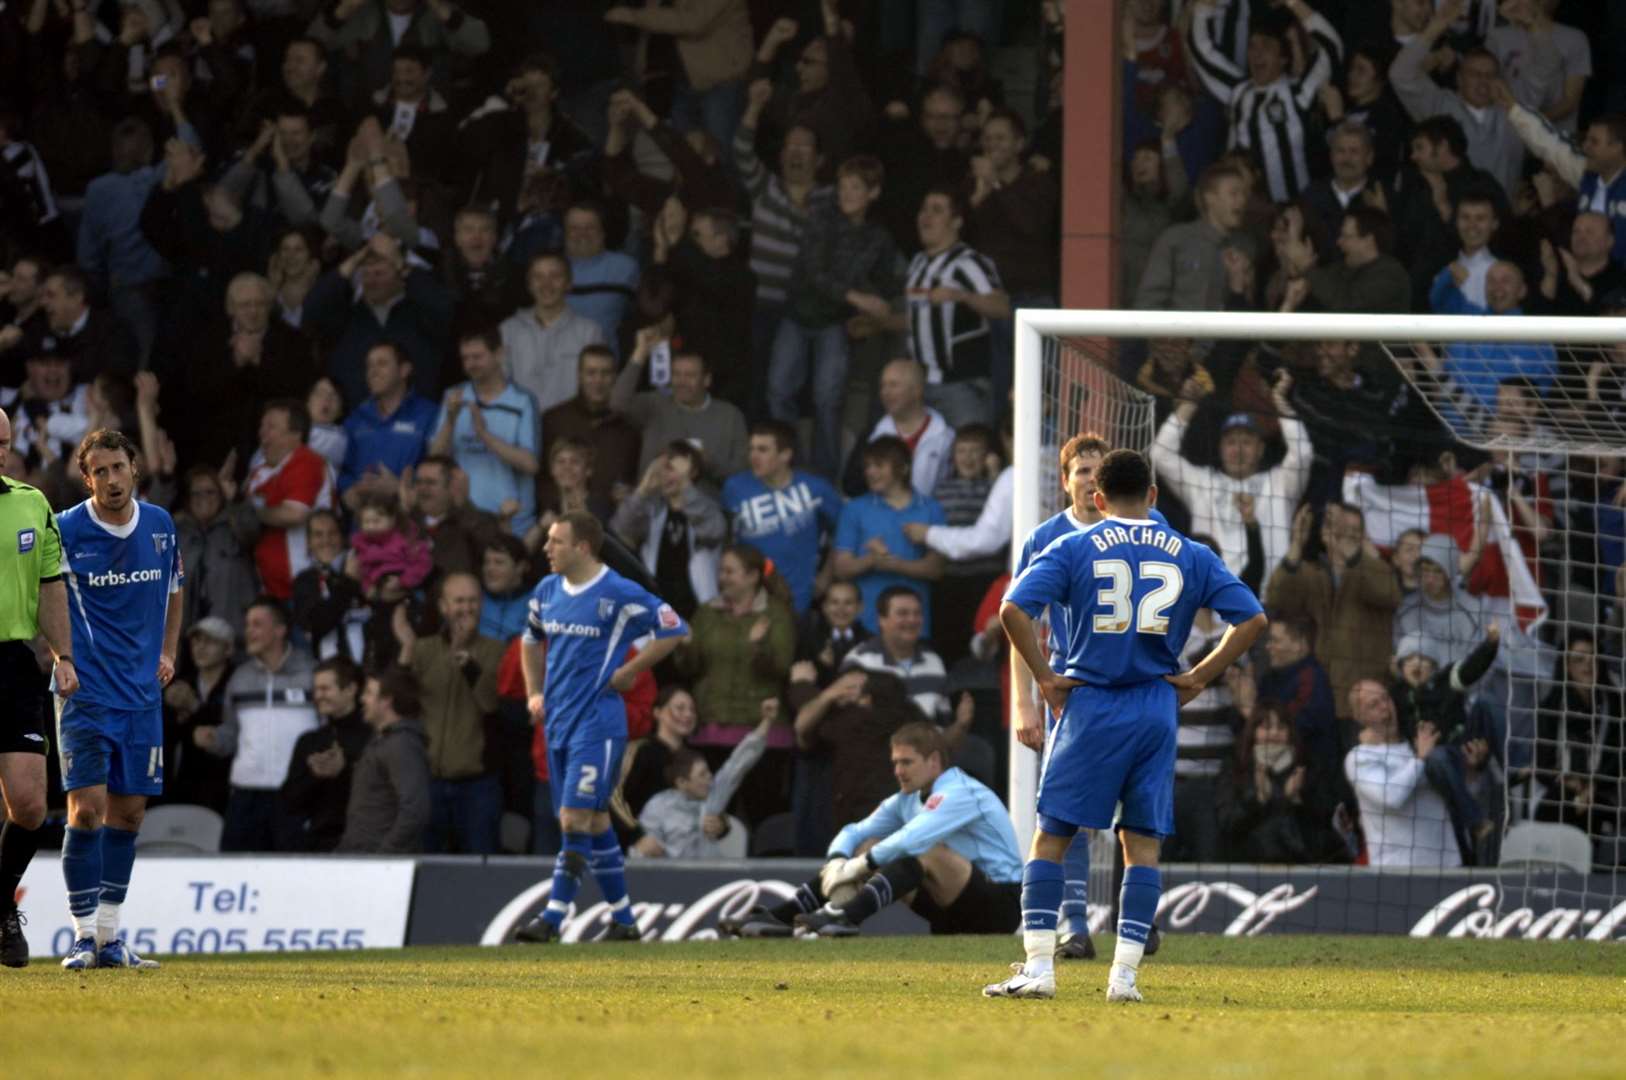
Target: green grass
1297 1007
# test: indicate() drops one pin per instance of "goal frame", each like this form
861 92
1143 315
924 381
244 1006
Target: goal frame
1033 325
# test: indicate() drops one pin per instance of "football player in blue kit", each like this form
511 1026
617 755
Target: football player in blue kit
1080 458
122 564
587 615
1131 588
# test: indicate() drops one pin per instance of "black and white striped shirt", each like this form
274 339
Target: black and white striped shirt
26 184
1269 120
1206 737
952 340
925 679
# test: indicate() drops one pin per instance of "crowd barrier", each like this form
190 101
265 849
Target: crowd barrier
274 904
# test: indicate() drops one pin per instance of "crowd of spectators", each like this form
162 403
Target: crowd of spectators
385 287
1447 157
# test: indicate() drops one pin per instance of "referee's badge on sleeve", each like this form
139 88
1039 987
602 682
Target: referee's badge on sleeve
25 541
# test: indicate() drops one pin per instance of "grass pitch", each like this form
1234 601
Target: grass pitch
1286 1006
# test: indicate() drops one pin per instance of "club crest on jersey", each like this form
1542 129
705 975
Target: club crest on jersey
668 618
606 608
160 542
25 541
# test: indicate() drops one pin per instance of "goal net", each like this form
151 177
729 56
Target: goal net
1431 738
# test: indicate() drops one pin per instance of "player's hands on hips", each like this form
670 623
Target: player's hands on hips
533 705
623 679
166 669
1186 684
1054 690
67 677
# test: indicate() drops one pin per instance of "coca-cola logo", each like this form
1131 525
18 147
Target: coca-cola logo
1183 905
659 921
1476 911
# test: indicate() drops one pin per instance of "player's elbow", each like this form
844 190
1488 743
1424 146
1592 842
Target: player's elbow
1253 628
1011 616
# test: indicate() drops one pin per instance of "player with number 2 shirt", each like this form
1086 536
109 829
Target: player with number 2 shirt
587 615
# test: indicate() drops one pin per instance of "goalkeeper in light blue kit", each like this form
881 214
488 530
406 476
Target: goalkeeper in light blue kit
587 614
123 568
1131 587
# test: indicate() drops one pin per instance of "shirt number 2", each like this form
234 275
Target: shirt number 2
1152 614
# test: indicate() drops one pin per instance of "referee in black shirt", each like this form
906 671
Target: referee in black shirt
33 598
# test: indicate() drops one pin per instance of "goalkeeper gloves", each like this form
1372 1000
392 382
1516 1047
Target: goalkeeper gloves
845 871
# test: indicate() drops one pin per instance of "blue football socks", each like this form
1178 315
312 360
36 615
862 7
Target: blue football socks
610 871
1075 897
568 867
82 874
1041 907
1137 907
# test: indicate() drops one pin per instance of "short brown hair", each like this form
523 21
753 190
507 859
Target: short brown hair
399 687
867 168
1210 178
688 451
575 446
924 738
585 529
682 764
1087 443
342 668
106 439
891 449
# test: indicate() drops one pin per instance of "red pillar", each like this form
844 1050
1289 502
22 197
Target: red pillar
1091 162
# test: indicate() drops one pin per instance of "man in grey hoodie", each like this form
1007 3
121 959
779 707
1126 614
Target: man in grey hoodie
389 794
1435 611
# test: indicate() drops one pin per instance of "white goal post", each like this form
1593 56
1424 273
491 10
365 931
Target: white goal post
1034 446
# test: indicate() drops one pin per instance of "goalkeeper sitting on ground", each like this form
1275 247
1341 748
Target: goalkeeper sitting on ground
943 845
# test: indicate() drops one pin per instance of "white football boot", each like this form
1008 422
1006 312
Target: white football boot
1121 985
1023 985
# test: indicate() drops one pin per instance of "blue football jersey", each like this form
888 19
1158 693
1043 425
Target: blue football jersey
120 579
588 628
1048 532
1130 590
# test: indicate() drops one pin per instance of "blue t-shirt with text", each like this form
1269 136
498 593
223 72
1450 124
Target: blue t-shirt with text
1047 533
784 524
120 578
1130 590
588 628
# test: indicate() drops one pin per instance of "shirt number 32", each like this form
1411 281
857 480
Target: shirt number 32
1116 596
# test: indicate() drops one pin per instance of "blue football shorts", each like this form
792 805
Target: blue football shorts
583 775
1113 745
122 748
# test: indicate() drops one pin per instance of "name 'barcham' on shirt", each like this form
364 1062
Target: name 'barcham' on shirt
115 577
1108 535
